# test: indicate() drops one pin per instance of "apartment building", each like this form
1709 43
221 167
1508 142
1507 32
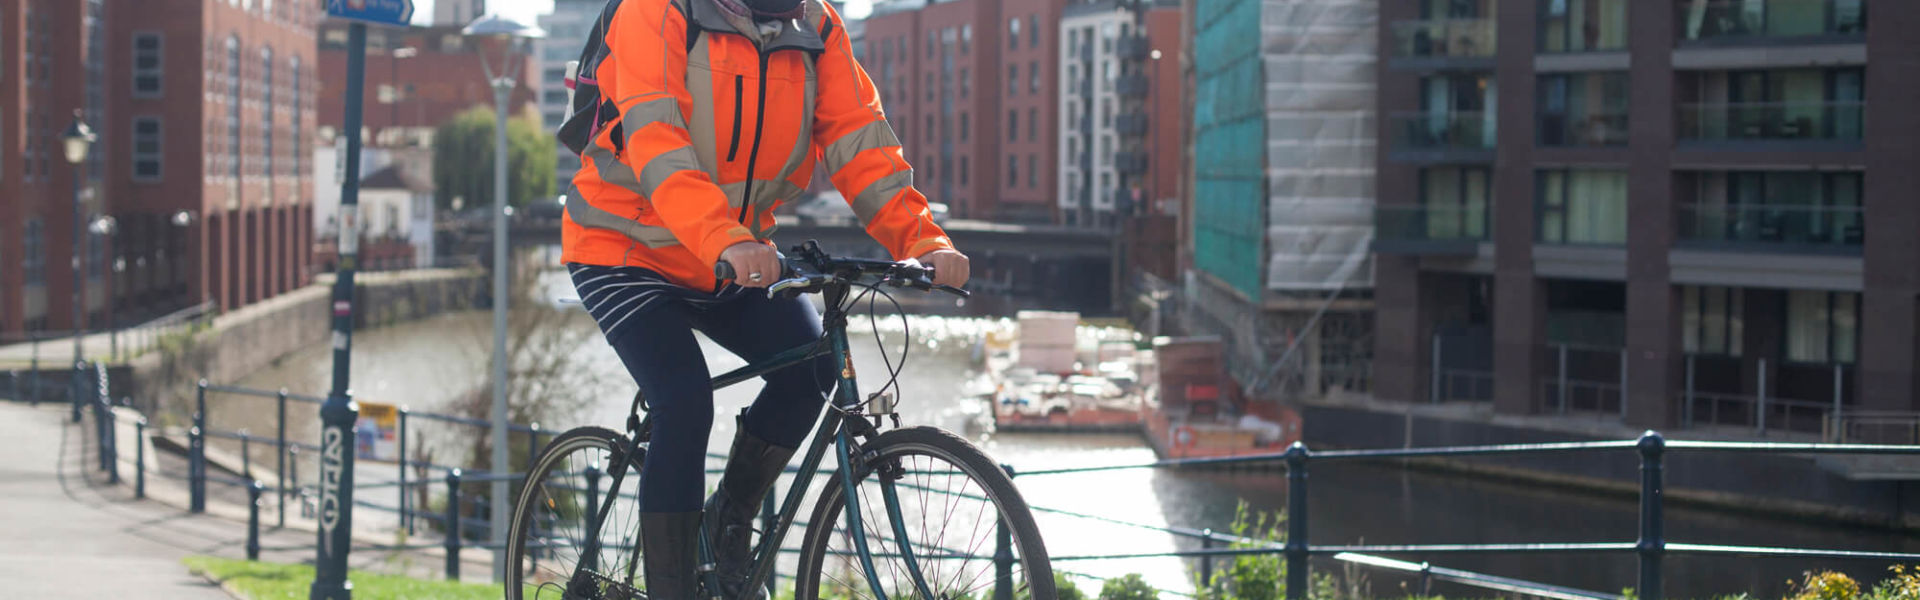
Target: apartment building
970 88
567 28
417 78
204 112
1692 213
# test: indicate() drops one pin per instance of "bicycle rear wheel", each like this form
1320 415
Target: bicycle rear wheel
957 509
567 486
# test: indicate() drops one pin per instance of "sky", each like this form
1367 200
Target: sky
526 10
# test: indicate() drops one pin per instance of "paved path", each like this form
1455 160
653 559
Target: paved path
61 537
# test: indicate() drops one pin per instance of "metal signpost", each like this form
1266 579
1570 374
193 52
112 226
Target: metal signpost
338 414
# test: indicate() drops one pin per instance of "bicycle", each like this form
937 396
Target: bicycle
562 506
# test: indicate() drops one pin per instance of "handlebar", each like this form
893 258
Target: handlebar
812 268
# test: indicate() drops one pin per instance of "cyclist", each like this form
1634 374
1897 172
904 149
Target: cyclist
694 119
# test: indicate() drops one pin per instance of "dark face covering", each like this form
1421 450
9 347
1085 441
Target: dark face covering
776 9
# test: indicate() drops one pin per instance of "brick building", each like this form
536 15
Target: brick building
417 78
970 88
203 111
1679 214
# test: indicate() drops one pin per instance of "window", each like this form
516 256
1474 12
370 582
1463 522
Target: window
146 65
266 113
963 169
1013 80
966 125
1033 32
1822 327
1773 207
1584 109
146 148
1106 150
1106 38
927 167
929 46
966 83
1712 320
96 256
1013 33
929 86
1583 25
1013 125
1455 200
34 260
1106 75
1033 124
233 109
1013 171
930 133
1106 112
1583 207
1033 77
1033 171
298 165
966 38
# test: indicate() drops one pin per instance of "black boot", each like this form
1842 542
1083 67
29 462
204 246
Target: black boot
752 468
670 551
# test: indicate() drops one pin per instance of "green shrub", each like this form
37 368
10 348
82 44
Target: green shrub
1130 587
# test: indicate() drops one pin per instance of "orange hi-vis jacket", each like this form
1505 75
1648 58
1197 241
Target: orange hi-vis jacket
713 126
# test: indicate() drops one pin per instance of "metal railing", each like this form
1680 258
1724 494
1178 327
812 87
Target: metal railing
1443 131
1762 226
1432 223
1772 121
1733 21
1650 544
1444 38
1590 129
1585 26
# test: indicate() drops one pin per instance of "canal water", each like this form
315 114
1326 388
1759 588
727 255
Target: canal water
430 364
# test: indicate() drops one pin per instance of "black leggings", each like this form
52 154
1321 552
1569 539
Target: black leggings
651 328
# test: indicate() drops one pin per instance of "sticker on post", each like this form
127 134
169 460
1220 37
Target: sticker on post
349 229
339 341
342 308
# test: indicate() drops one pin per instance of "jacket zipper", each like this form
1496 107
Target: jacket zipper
739 83
753 153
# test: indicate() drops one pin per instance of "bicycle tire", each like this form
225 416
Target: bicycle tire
993 485
606 444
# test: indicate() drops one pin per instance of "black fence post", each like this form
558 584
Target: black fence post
1297 521
453 525
1206 561
533 447
140 458
1653 544
280 457
110 443
406 517
13 380
33 366
246 454
254 489
1003 554
79 381
197 453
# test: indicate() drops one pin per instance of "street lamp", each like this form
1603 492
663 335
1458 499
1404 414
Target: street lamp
511 36
76 141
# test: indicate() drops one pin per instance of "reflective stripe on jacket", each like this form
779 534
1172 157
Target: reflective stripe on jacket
716 127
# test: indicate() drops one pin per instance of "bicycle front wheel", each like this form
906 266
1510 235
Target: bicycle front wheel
564 494
955 527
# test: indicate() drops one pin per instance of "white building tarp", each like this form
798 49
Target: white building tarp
1320 58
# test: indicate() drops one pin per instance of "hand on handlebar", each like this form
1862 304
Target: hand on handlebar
950 267
753 264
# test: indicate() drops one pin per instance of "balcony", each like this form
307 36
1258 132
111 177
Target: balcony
1443 137
1773 125
1444 42
1130 125
1134 47
1594 129
1130 163
1132 86
1771 22
1441 230
1800 229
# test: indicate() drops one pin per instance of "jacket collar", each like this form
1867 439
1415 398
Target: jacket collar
793 33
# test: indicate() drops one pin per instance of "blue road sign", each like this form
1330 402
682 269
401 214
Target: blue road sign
398 13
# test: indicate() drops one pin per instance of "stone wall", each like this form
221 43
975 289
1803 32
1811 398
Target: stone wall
256 336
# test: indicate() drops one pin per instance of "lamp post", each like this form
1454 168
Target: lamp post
509 35
181 220
77 140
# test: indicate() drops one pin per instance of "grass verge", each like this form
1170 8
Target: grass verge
273 581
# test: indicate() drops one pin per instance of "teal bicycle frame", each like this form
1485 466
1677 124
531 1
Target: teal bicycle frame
843 420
